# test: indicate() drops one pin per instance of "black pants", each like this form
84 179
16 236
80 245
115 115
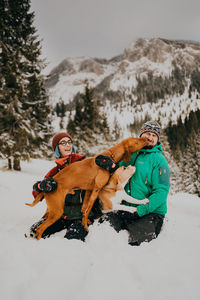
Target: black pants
140 229
75 229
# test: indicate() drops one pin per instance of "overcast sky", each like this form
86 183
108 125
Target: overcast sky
104 28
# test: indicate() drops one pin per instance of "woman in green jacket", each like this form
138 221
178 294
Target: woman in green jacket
152 181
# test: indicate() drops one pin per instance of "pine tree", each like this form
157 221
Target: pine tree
185 145
89 114
60 108
190 166
88 124
24 110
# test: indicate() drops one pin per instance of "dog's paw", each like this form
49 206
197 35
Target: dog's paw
144 201
85 225
133 209
130 209
30 235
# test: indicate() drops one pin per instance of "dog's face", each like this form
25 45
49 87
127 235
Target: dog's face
123 174
132 145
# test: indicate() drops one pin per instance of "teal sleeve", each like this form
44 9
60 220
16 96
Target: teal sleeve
160 189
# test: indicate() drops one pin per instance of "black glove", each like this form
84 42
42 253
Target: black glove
46 185
106 163
36 187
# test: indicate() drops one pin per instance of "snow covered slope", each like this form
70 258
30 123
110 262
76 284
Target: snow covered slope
116 81
105 266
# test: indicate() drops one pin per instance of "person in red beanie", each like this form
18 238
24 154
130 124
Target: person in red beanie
65 154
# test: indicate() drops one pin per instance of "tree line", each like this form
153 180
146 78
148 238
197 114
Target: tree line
184 142
25 112
25 115
152 88
180 134
88 125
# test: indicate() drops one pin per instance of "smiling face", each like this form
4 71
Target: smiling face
65 147
151 137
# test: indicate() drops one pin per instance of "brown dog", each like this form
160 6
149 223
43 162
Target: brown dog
113 192
83 175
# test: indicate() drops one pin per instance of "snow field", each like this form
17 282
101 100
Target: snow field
105 266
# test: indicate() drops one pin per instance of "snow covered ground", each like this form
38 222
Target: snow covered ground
105 267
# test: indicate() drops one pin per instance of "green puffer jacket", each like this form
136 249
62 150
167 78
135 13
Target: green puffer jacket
151 180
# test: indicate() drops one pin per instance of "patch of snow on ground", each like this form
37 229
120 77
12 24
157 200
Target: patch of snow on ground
105 266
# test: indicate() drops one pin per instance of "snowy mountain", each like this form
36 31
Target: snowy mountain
153 77
105 266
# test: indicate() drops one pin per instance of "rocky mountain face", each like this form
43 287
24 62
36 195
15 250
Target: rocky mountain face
154 78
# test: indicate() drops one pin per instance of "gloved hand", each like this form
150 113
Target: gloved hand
36 187
46 185
106 163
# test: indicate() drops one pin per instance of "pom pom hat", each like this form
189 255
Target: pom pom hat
58 137
151 126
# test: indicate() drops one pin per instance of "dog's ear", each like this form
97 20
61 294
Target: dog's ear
116 182
127 154
114 178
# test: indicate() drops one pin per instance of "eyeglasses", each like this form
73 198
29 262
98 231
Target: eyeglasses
64 143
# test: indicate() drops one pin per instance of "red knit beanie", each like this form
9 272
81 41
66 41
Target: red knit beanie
58 137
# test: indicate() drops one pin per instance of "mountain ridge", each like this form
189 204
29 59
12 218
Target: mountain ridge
151 75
